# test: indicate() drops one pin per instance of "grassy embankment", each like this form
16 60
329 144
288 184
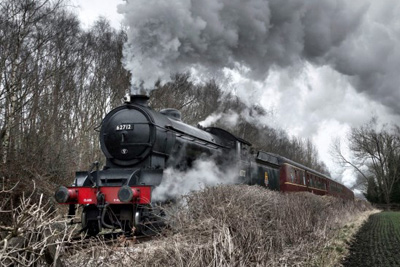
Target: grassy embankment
378 242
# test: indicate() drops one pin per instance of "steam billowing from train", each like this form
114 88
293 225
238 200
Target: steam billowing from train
204 172
360 39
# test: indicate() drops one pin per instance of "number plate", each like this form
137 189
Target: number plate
124 127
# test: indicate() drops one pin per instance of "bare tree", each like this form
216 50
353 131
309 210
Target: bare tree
24 34
375 156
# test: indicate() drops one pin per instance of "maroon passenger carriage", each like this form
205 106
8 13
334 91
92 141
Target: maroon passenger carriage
286 175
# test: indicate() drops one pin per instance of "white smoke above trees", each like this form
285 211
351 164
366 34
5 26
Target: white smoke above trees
357 38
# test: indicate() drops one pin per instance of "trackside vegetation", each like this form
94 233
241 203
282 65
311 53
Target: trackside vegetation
240 225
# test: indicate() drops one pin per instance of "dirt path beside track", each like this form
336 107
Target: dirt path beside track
377 243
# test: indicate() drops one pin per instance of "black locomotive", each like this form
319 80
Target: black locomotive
140 144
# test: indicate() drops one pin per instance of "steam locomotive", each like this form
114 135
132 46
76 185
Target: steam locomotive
140 143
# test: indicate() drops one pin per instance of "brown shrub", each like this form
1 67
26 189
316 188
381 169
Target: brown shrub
32 235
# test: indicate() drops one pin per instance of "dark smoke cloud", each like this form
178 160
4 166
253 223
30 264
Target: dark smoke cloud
371 55
357 38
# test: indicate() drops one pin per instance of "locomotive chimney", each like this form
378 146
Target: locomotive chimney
136 99
137 96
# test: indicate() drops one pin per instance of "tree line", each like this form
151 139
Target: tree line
57 81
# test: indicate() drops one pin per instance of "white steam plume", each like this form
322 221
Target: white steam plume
203 173
229 119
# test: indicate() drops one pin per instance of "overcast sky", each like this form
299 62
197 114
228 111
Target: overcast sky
90 10
321 66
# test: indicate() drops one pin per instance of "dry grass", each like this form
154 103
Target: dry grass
238 225
231 225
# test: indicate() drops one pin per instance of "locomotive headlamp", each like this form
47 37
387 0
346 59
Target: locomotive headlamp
126 194
64 195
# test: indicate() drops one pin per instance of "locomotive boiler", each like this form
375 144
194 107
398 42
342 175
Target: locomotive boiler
140 143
